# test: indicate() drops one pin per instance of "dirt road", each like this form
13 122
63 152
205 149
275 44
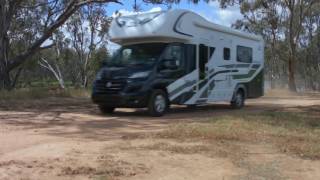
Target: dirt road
64 138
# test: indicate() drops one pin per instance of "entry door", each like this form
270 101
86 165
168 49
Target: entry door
222 81
204 53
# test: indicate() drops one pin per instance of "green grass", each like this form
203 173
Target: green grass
291 132
39 93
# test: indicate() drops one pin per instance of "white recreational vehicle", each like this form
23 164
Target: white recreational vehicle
178 57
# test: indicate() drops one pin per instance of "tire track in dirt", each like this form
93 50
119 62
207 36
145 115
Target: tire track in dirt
73 131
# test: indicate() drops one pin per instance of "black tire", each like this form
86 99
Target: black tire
158 103
106 109
238 100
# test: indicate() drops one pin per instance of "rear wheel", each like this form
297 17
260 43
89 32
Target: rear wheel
158 103
238 100
106 109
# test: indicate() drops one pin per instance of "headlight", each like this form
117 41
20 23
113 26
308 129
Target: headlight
140 75
99 75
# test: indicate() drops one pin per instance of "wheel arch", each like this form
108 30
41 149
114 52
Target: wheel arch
162 87
241 87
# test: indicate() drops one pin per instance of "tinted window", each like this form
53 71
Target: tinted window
137 54
203 59
226 53
173 61
211 51
191 57
174 52
244 54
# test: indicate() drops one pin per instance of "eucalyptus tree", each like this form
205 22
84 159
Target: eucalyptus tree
297 11
310 53
264 18
45 17
54 62
283 17
87 30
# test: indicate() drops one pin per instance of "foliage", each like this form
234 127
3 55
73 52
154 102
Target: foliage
289 29
27 25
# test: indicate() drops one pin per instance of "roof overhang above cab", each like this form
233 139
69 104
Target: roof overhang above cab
155 26
136 40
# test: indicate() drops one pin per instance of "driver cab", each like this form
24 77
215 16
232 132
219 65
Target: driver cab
138 75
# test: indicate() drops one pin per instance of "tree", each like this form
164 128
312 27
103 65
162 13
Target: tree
285 18
263 17
57 12
297 11
87 29
53 61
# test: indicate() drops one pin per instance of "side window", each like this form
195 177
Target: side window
226 53
244 54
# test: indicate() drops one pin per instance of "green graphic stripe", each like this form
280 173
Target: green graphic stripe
245 76
182 87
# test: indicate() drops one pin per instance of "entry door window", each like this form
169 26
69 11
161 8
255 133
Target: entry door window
203 60
190 57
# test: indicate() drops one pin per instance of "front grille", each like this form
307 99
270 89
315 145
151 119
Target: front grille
109 86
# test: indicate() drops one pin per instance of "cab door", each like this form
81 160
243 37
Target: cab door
183 83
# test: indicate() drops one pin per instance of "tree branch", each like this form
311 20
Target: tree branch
71 8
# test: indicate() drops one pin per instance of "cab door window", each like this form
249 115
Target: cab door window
174 53
173 60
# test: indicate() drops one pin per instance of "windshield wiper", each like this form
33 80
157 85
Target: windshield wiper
115 65
137 64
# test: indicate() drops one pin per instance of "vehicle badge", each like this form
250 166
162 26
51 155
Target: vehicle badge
109 84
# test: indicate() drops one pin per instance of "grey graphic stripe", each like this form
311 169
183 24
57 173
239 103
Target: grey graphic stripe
179 89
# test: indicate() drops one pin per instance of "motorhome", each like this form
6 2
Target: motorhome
178 57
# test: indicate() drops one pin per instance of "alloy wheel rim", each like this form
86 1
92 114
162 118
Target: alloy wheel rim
160 103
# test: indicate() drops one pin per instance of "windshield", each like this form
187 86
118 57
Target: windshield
137 54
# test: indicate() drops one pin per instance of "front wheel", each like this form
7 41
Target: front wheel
158 103
238 100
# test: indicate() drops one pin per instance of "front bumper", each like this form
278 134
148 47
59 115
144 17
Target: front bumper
125 100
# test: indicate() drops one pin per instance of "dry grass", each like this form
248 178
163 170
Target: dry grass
292 132
39 93
108 169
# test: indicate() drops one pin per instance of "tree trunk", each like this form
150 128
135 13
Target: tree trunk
55 71
15 78
291 68
5 82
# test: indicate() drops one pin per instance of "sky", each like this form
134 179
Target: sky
211 11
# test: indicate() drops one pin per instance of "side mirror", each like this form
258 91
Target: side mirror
169 64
